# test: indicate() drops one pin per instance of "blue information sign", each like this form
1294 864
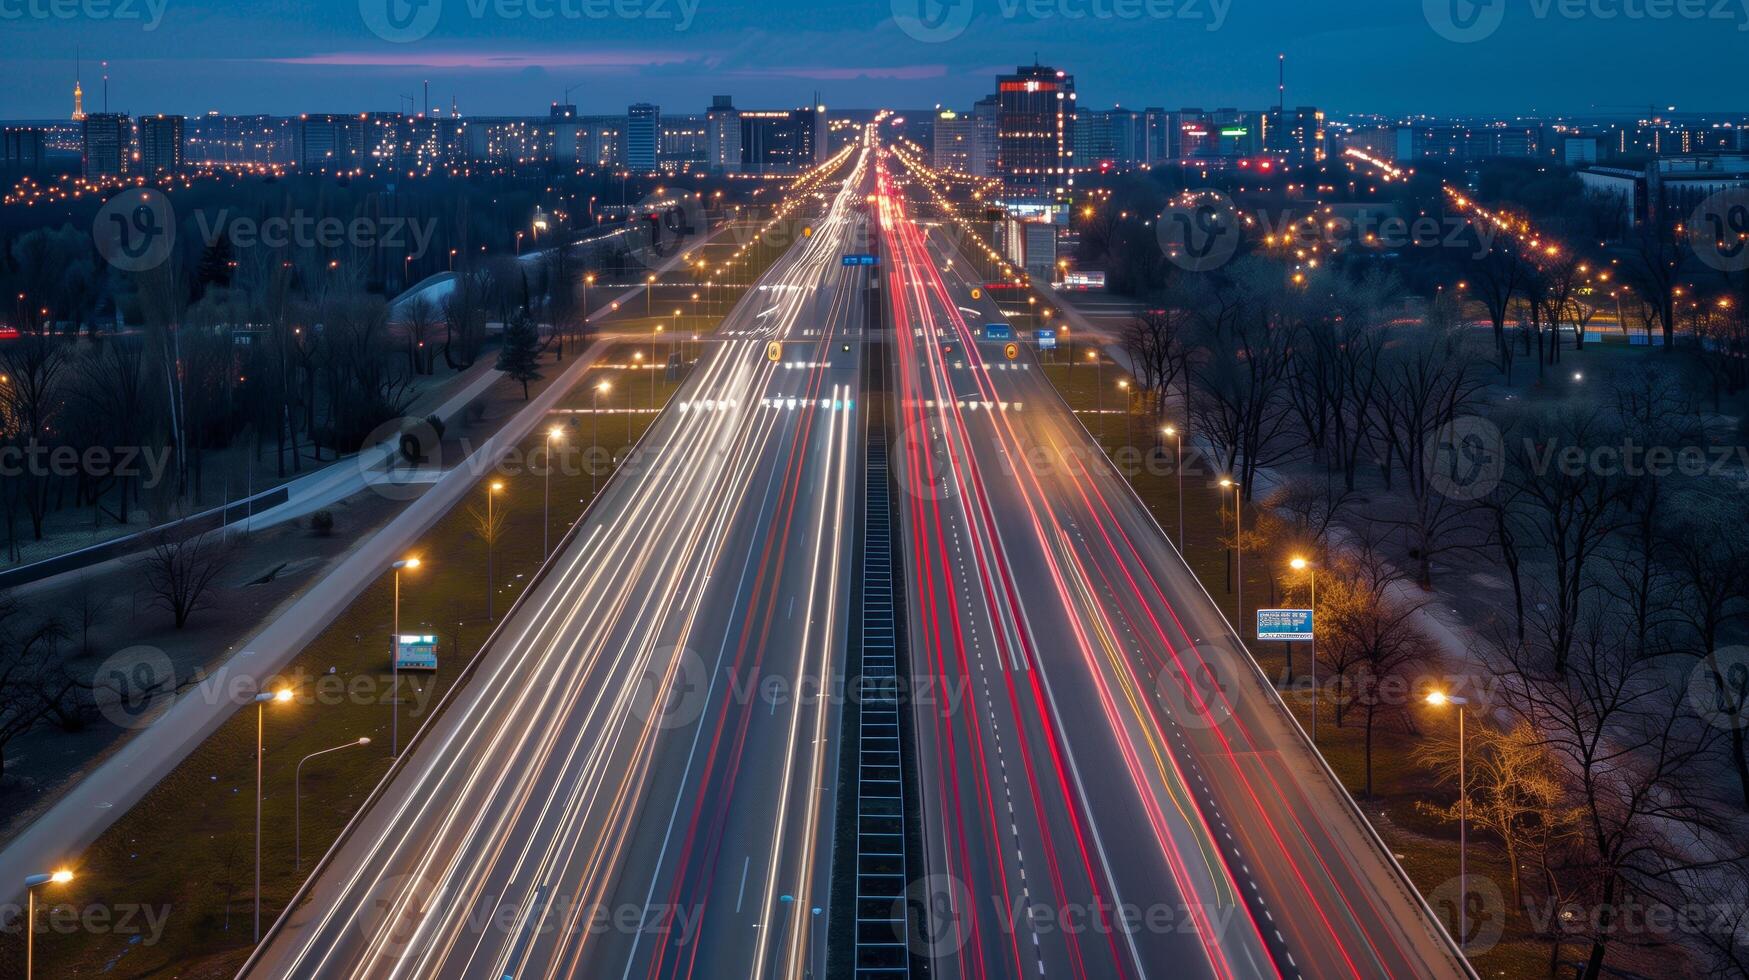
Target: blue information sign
998 331
862 260
1047 339
1284 624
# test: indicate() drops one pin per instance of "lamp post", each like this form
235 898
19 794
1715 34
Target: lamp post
546 513
1178 441
595 429
31 884
279 697
1440 699
492 490
1098 377
653 338
1238 544
297 800
395 659
1302 565
649 292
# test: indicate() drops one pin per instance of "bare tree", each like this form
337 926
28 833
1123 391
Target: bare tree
180 573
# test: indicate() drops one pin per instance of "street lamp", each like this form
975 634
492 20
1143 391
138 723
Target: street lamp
395 659
297 800
1301 565
280 696
1098 377
546 514
1238 544
1178 441
1440 699
31 884
595 428
492 491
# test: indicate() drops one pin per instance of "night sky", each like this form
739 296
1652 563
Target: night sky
499 57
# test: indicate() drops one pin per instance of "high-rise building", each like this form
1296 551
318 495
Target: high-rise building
1094 145
643 136
214 138
329 142
162 144
1035 135
1297 135
778 141
685 144
109 144
984 155
954 143
562 111
23 149
723 136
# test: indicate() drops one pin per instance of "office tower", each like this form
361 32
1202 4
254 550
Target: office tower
162 146
723 135
329 142
984 136
109 145
643 136
778 141
685 144
1297 135
23 149
955 141
562 111
1035 135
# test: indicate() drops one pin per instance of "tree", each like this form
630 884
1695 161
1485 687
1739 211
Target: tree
26 649
32 401
519 357
180 573
418 322
1154 341
1239 402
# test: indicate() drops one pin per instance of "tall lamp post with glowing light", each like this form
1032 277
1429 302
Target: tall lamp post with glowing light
1302 565
492 491
1440 699
1238 544
278 697
31 884
595 429
546 513
1178 442
407 564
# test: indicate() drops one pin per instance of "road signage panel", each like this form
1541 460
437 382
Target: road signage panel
1047 339
998 331
862 260
1284 624
416 651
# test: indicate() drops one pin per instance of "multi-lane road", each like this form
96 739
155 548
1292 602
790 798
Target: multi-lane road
637 781
1120 793
640 777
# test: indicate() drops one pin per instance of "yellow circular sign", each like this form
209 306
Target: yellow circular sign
977 294
807 231
1012 350
774 351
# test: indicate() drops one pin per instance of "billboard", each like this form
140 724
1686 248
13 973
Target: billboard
416 651
1284 624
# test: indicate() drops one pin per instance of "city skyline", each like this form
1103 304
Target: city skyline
498 57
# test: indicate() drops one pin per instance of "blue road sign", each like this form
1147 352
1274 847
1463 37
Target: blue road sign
1284 624
1047 339
998 331
862 260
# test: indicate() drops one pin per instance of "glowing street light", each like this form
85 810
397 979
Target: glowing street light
1440 699
547 504
407 564
492 491
31 884
1177 438
1238 542
1299 564
280 696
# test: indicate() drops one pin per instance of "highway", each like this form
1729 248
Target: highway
638 780
1120 793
